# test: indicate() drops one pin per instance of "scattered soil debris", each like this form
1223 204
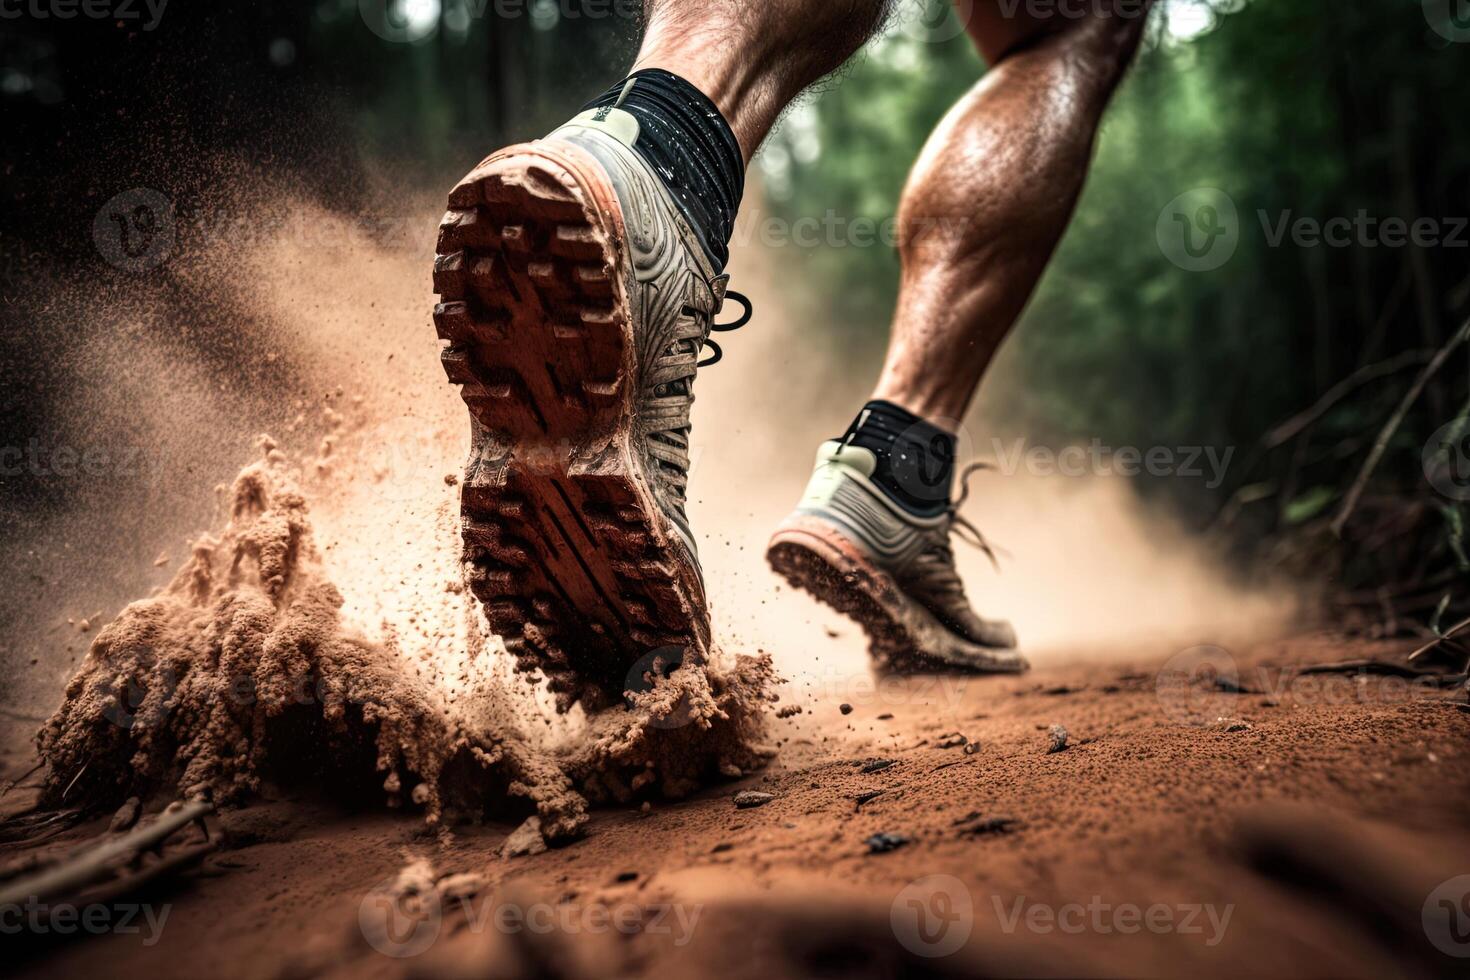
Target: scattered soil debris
126 815
242 668
975 825
525 839
882 843
748 799
1056 737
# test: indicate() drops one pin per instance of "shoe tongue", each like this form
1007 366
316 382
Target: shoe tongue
861 459
620 124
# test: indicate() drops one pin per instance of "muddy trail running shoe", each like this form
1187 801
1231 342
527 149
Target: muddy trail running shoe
576 302
889 570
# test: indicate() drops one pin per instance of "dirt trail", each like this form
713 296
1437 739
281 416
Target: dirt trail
1312 822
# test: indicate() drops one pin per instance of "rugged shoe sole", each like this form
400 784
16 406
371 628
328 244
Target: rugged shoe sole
564 542
903 636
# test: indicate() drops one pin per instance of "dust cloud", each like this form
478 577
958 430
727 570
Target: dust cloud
1087 569
277 315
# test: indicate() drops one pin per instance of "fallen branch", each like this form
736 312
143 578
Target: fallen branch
100 862
1383 668
1380 445
1457 637
11 784
1369 372
33 826
135 881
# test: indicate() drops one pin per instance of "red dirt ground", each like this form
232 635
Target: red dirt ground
1320 828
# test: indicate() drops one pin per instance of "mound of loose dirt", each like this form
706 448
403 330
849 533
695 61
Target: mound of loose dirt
242 667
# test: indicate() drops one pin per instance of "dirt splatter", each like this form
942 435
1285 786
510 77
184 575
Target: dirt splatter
242 668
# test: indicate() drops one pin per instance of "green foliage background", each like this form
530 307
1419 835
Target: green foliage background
1294 110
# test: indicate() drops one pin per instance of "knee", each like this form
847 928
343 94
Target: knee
1100 43
1109 40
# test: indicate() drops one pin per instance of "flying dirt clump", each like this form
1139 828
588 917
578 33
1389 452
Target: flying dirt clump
241 667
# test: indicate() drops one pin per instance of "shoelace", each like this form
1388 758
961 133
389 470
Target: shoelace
959 523
936 567
673 372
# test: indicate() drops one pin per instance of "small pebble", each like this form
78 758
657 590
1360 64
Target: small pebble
748 798
126 815
525 839
884 842
1056 739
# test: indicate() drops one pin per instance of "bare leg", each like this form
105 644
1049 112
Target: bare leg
990 196
753 58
